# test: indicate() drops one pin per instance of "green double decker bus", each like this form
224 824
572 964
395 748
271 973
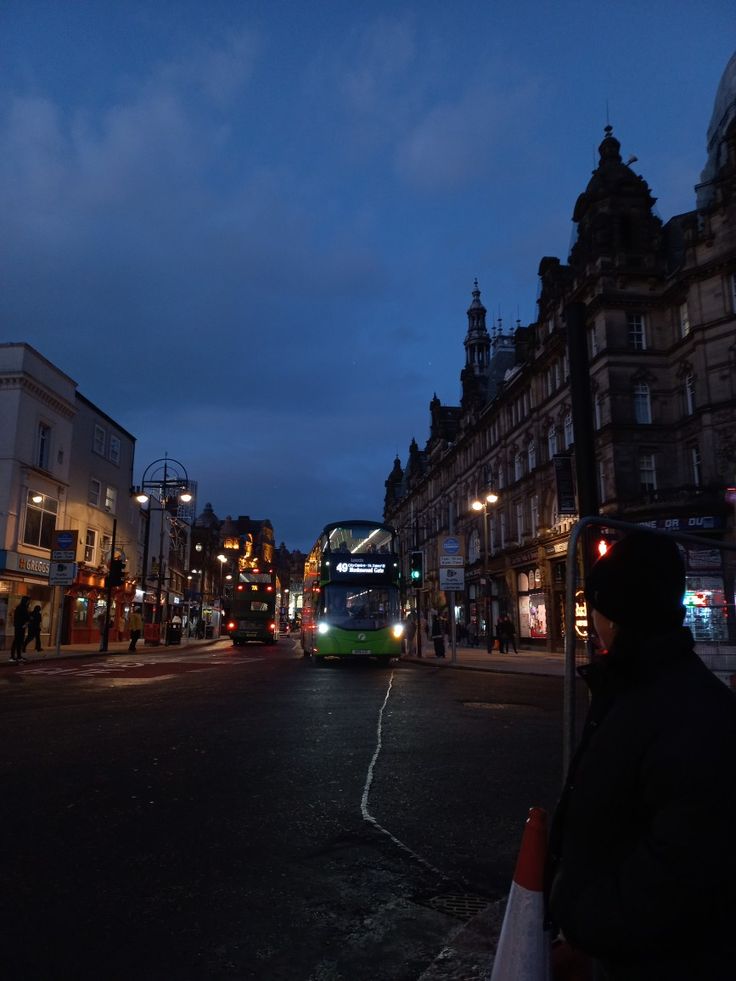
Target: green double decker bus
352 593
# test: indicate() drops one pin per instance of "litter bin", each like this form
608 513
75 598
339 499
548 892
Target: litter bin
173 633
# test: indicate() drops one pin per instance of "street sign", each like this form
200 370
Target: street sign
62 573
452 577
63 555
451 560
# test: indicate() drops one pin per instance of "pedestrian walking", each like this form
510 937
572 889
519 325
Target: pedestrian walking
21 617
34 629
641 880
135 626
510 633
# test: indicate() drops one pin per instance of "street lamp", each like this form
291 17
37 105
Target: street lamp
483 505
166 479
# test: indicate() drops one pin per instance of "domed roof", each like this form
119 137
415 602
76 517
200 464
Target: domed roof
724 114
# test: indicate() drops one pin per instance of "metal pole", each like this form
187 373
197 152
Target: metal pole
487 585
106 629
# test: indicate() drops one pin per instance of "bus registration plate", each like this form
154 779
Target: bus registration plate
360 651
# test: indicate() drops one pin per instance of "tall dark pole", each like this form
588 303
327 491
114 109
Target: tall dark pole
487 575
104 637
159 612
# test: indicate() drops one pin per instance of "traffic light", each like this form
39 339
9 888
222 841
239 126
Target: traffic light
416 569
117 572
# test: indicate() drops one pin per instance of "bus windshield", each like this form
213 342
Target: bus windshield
361 607
360 539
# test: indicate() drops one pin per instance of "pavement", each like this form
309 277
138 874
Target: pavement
527 661
113 647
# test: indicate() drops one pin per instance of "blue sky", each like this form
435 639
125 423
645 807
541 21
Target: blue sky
250 230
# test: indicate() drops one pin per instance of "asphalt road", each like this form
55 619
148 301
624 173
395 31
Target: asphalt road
241 813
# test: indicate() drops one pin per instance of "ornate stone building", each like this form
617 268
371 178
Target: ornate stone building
638 328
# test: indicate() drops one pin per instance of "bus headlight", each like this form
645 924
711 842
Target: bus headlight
398 629
322 627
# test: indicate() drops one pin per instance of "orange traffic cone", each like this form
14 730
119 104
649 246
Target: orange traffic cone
523 947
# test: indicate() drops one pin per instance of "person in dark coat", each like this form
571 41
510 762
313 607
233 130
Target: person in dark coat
21 616
641 876
34 629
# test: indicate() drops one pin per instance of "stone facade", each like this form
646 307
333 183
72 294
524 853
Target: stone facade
620 400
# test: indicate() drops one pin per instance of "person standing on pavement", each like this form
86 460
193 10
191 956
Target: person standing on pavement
641 878
510 633
135 626
21 617
34 629
438 635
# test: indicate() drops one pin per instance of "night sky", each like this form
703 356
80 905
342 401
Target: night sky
249 231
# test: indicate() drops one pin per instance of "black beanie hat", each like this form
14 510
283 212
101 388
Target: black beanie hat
639 583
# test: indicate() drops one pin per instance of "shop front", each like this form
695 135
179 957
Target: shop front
531 602
85 606
25 575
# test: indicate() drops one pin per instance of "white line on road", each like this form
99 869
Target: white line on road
367 816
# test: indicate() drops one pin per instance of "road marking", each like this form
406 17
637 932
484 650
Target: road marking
367 816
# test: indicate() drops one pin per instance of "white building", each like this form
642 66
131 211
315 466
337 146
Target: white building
64 465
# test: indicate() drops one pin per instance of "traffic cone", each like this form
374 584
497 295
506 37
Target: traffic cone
523 947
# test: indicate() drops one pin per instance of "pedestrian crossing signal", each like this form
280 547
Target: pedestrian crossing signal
117 572
416 569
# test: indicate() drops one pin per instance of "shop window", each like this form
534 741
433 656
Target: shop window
523 582
81 607
40 519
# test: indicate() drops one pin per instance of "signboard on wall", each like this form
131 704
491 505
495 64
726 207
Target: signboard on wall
564 483
452 577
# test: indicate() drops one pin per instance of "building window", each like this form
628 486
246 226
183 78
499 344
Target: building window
111 499
642 404
534 514
106 549
689 390
115 449
90 545
637 331
94 493
684 320
44 446
502 528
531 455
602 492
569 439
552 441
598 410
520 523
40 519
697 466
647 472
519 466
733 292
593 342
98 442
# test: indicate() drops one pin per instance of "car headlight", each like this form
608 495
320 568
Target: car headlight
398 629
323 627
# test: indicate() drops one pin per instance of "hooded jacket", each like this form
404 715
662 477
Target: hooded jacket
642 868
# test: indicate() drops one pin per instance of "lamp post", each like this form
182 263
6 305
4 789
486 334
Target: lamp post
105 635
166 479
483 505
